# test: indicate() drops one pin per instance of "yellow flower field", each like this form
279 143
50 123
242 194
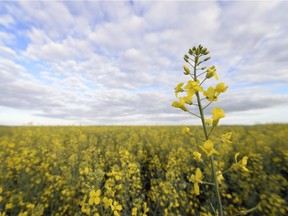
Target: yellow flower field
140 170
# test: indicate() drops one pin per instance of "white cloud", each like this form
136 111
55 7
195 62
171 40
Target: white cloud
118 62
6 21
7 52
44 48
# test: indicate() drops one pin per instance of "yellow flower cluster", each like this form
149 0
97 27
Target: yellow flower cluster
194 98
138 171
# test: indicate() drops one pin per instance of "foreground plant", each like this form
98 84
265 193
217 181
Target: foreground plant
194 99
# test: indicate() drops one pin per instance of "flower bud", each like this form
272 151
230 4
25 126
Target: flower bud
204 51
187 70
186 58
207 58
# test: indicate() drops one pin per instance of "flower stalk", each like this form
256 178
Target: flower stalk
214 171
193 89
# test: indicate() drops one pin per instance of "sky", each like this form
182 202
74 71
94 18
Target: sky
118 62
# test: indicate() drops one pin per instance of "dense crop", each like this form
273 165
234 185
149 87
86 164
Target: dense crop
136 171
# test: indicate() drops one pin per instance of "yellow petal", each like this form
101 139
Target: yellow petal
196 189
236 156
198 175
217 113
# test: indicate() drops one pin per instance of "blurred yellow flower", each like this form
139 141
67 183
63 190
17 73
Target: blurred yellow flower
115 207
1 190
196 179
9 206
220 177
197 156
94 197
208 121
134 211
85 209
107 202
241 164
208 148
226 138
25 213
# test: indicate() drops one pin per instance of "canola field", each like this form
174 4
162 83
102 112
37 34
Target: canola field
137 170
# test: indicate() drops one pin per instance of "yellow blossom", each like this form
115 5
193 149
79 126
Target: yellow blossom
196 179
86 171
30 206
210 94
94 197
9 206
241 164
221 87
212 72
107 202
188 99
145 209
197 156
186 130
25 213
208 148
115 207
178 88
217 113
226 138
134 211
208 121
193 86
85 209
1 190
180 105
220 177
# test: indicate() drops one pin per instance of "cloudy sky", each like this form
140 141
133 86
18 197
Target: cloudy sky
117 62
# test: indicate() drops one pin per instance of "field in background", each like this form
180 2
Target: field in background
52 170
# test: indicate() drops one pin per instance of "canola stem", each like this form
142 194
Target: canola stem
217 192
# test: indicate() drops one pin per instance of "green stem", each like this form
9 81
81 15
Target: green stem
193 114
217 191
211 131
208 183
202 81
207 105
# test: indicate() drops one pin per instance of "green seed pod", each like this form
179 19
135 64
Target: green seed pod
207 58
